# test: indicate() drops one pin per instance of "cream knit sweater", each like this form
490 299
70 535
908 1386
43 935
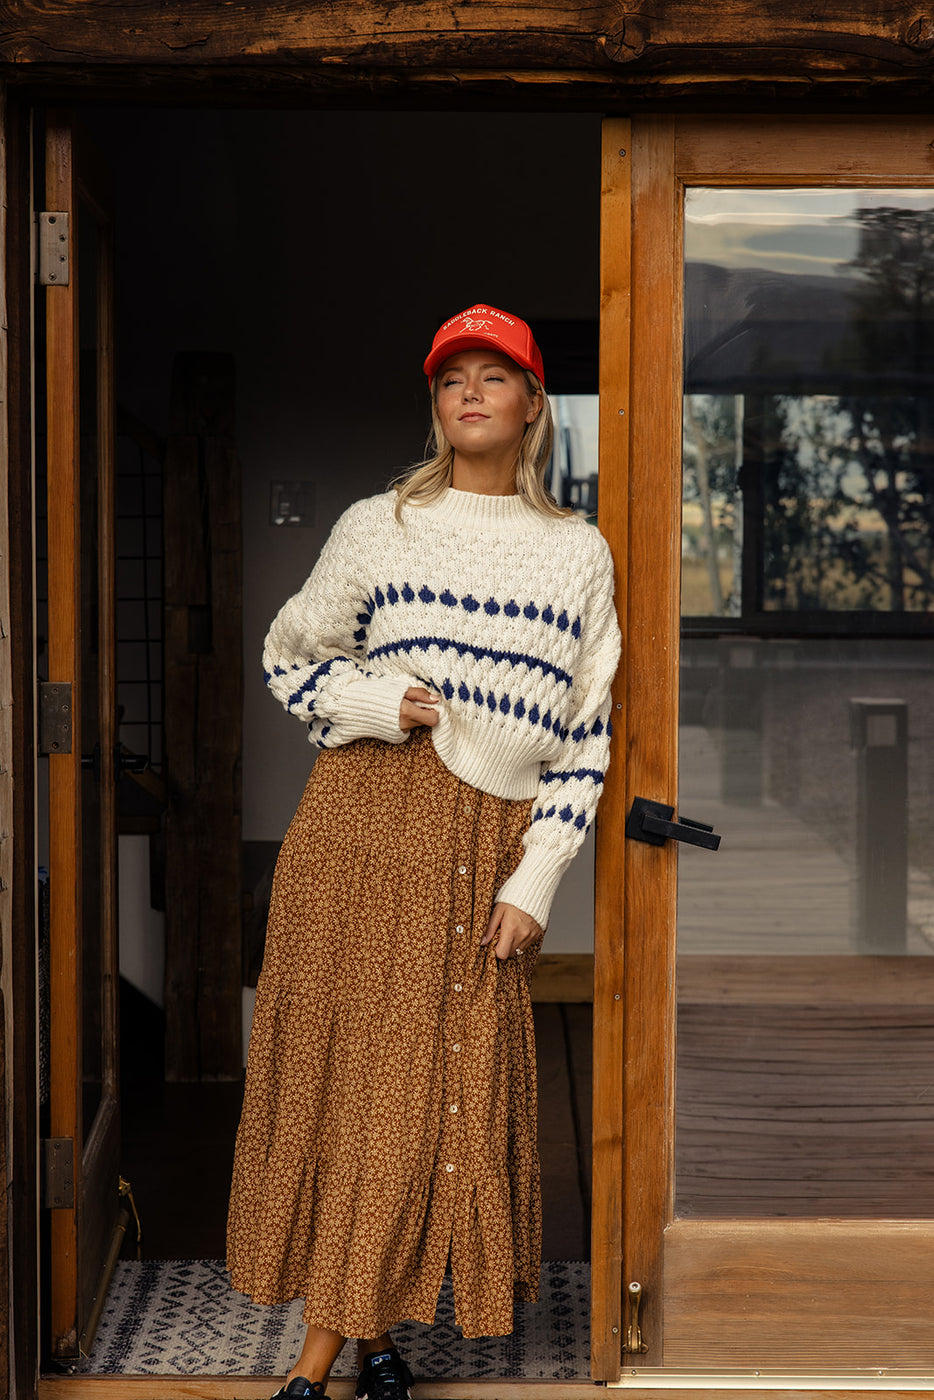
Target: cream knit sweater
505 613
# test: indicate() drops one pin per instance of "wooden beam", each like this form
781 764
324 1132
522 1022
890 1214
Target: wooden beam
203 722
659 36
609 951
7 796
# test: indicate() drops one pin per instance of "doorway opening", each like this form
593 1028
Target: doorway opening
274 255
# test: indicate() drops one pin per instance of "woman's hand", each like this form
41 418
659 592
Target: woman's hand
511 929
418 706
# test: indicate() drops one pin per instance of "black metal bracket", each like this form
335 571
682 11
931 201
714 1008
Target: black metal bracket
652 822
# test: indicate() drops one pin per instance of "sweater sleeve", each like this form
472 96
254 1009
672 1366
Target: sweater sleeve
314 658
568 792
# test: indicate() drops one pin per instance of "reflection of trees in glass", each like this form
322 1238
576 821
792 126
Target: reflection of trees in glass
710 484
849 479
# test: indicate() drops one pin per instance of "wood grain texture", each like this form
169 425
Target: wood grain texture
82 650
734 1288
819 981
805 1112
789 149
652 706
203 723
7 796
261 1387
64 769
609 958
667 37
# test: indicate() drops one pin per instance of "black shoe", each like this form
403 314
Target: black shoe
300 1389
384 1376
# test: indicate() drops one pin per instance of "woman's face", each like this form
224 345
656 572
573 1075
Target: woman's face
484 404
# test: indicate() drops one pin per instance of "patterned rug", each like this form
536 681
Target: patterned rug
180 1316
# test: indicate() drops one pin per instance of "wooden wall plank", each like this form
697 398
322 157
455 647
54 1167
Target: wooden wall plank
609 957
661 36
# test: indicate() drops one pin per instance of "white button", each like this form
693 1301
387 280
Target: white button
453 1107
462 869
449 1167
456 1049
459 928
458 986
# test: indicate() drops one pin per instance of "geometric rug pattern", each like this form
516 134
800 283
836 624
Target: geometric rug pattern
181 1317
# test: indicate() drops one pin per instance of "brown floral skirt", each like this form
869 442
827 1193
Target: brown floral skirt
389 1118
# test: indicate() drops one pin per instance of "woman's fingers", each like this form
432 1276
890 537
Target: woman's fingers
492 927
419 706
511 929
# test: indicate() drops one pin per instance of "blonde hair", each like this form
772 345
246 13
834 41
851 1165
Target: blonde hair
425 481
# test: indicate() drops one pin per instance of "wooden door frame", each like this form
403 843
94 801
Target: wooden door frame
646 668
670 153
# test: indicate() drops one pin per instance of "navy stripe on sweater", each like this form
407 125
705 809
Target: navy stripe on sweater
515 658
556 776
407 594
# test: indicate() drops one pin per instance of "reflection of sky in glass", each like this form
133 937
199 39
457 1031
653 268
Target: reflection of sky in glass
801 231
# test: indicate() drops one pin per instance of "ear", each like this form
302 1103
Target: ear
535 407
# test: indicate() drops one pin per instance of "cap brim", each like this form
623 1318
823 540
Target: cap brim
466 342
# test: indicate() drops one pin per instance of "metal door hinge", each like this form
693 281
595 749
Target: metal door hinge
58 1173
635 1346
54 245
54 717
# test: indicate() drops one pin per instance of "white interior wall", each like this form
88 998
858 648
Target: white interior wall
322 250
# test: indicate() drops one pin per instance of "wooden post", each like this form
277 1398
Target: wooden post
203 723
879 734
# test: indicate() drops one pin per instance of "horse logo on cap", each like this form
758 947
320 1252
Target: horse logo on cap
473 324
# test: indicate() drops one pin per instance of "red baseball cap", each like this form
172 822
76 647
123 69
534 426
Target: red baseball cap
479 326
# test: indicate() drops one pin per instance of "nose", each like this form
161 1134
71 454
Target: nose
471 390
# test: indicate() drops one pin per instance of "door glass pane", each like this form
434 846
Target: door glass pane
805 975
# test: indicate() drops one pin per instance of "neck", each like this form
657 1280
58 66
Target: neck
485 476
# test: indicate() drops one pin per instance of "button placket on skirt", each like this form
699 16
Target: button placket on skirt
461 958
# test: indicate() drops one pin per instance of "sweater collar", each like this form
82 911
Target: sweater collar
472 510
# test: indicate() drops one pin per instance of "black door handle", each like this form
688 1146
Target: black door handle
651 821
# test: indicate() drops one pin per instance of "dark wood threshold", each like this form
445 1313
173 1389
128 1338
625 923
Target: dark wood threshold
261 1387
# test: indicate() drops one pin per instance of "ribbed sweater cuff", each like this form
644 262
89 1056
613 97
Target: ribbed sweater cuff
533 883
369 708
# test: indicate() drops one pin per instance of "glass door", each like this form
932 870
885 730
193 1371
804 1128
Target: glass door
778 1193
75 500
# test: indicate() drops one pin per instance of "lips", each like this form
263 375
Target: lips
472 418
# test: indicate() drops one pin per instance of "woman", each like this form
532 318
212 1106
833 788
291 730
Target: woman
451 653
